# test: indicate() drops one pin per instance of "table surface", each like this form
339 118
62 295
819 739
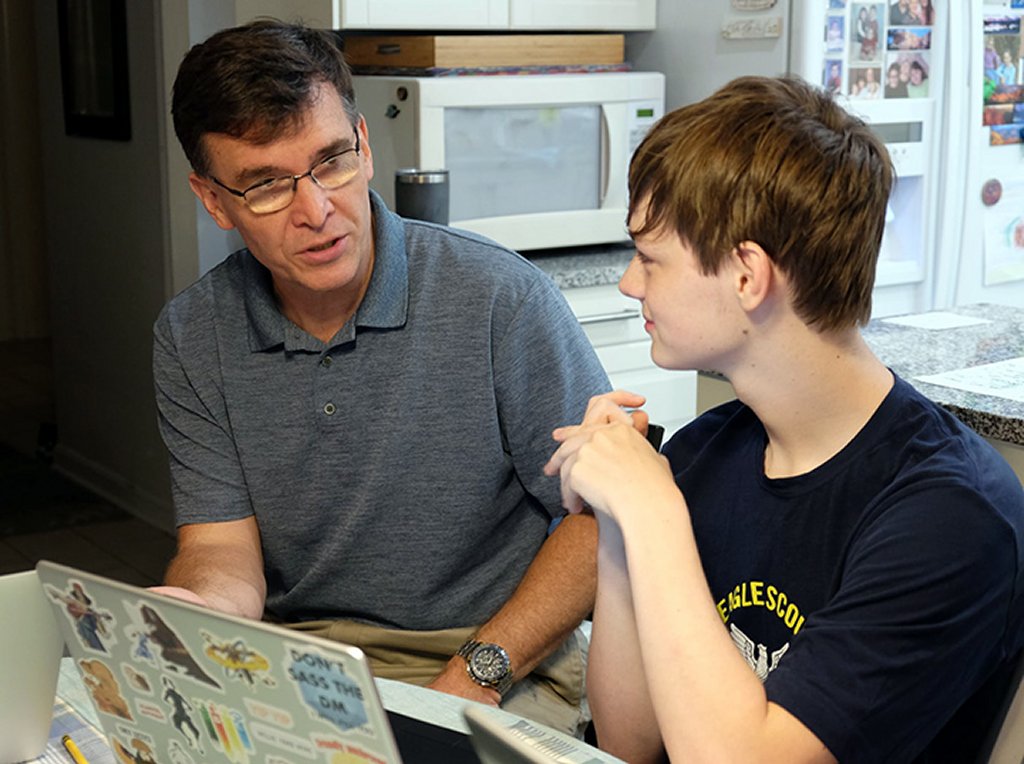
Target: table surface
913 352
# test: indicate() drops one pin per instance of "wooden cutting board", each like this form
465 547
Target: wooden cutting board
425 51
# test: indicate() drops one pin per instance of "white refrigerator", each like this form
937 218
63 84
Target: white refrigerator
980 239
911 68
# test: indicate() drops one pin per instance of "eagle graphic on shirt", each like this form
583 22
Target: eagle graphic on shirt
756 655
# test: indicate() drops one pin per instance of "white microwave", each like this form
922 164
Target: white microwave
534 161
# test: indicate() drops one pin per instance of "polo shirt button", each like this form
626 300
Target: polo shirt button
329 409
327 360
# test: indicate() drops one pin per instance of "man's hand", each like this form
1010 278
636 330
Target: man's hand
181 594
454 680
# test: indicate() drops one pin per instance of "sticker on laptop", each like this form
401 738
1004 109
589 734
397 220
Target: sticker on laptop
227 729
93 627
136 680
239 661
133 747
178 755
105 689
182 714
164 644
325 687
265 712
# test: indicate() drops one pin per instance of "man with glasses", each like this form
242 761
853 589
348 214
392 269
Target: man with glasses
358 407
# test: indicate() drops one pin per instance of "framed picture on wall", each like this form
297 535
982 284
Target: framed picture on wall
94 68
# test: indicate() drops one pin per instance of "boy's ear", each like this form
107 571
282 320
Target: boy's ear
754 274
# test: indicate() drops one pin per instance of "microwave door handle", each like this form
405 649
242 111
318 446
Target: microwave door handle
606 144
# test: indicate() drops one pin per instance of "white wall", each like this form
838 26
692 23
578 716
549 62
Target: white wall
689 49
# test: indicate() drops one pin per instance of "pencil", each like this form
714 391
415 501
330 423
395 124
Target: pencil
72 749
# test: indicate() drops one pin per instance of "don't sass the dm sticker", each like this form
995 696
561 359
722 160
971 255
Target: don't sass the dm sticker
326 688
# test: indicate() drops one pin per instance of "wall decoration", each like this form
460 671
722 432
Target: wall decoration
94 68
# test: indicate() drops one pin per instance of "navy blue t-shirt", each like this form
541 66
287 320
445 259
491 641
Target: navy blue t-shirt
877 595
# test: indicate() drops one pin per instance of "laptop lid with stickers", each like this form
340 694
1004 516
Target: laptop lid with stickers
174 682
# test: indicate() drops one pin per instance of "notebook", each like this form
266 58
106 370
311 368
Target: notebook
30 651
173 682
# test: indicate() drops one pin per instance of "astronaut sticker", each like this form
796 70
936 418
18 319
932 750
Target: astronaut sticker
238 660
163 644
326 688
89 623
105 689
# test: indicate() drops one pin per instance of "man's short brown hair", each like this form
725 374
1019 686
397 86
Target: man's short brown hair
255 83
777 162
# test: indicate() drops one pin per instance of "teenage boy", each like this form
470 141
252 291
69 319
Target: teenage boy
859 545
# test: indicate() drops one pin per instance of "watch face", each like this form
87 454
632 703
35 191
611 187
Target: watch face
489 663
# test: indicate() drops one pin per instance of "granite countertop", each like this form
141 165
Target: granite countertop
913 352
574 267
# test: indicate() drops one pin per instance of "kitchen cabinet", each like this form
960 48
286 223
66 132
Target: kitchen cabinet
613 325
492 15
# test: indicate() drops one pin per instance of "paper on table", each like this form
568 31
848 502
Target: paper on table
936 320
1004 379
90 741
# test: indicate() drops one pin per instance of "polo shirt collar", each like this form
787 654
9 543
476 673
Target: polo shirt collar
384 306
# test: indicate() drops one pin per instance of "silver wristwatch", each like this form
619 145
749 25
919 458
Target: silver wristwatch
487 664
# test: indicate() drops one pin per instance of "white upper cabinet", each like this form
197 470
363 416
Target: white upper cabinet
610 15
417 14
493 15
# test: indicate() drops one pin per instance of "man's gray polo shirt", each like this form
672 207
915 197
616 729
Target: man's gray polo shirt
395 472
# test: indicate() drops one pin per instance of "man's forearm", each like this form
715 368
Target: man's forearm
227 580
556 593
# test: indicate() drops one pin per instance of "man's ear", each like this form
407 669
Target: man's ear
210 196
364 148
754 274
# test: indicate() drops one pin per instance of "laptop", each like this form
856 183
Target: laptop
174 682
500 739
30 652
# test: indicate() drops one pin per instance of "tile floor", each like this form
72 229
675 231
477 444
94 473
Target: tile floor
80 529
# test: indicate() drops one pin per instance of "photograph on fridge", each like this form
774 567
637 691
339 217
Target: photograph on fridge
865 82
1002 90
865 31
910 70
911 12
834 34
908 38
832 76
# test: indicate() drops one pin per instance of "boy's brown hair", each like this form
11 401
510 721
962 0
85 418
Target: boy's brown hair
777 162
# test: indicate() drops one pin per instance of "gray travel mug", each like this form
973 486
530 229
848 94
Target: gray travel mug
422 194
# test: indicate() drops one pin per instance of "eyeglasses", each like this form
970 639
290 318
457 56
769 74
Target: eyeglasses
274 194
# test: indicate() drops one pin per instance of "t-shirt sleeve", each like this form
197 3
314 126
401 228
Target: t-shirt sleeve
920 612
545 373
207 481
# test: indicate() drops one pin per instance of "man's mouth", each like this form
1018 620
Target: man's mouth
325 245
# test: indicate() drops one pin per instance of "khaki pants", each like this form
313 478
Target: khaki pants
554 694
